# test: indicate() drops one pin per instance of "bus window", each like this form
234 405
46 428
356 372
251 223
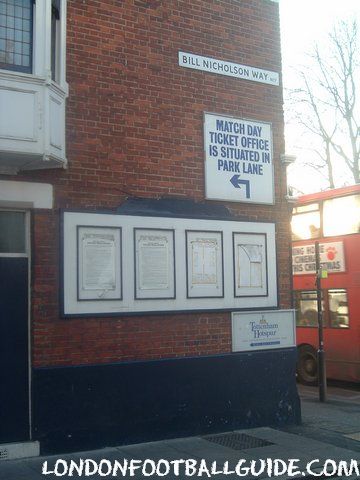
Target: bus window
306 309
305 222
338 308
341 215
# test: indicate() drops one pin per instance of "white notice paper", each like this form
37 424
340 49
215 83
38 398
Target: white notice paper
153 262
204 261
249 266
204 264
98 262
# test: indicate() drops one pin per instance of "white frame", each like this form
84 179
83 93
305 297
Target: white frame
92 293
204 289
42 42
181 303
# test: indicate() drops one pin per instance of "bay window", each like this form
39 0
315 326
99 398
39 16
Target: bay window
33 87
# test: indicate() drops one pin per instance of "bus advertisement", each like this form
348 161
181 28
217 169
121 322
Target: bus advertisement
333 219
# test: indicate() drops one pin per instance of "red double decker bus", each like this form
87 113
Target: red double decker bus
333 219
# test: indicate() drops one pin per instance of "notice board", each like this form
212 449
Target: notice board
116 264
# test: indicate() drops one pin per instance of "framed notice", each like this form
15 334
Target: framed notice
250 265
99 272
204 264
154 263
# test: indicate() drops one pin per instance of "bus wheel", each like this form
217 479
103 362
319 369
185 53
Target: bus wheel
307 365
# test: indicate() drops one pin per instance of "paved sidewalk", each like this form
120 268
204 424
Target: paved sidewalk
329 431
337 421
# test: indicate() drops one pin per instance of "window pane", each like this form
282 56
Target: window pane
341 215
10 22
306 309
305 226
16 25
26 25
12 232
26 13
10 8
306 208
338 309
26 37
55 16
10 35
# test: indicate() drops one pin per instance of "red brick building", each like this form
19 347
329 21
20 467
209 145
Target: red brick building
104 107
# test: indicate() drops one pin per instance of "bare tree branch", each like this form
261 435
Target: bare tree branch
325 103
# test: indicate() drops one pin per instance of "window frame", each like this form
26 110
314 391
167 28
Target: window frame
26 253
326 307
317 208
41 57
320 209
337 327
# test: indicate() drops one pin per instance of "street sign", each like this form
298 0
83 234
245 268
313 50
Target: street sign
230 69
238 160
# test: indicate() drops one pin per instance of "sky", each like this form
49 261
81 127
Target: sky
303 24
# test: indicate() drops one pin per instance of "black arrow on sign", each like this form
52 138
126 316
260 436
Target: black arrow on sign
237 182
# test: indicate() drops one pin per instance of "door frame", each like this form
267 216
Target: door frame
27 255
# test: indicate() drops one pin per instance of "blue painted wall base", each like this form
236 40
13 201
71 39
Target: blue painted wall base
90 407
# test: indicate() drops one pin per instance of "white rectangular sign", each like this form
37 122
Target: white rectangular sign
238 160
263 330
230 69
331 258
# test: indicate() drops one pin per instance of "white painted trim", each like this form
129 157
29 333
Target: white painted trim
26 194
28 249
62 45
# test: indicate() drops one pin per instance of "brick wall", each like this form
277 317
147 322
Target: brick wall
135 127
